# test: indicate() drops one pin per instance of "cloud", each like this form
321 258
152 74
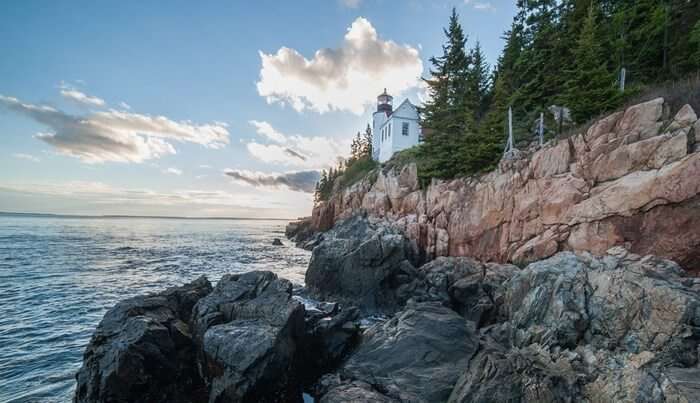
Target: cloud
346 78
102 194
117 136
81 98
173 171
26 157
124 106
351 3
302 181
294 150
266 130
480 5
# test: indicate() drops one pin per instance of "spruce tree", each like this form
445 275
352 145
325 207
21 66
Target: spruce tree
447 117
478 82
367 139
590 88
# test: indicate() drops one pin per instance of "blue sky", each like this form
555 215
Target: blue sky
227 108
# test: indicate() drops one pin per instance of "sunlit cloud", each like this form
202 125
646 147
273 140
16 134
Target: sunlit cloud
82 98
101 193
480 5
302 181
294 150
27 157
117 136
173 171
266 130
351 3
347 78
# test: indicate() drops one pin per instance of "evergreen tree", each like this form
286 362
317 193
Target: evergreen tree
478 82
447 110
367 139
539 65
447 117
505 81
695 42
590 89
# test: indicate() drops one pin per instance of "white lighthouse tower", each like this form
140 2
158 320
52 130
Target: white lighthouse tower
385 104
393 130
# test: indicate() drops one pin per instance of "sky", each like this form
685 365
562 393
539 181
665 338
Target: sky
219 109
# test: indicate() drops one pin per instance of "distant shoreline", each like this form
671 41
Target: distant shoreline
118 216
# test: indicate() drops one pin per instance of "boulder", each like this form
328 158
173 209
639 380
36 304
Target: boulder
331 333
248 330
361 263
416 356
471 288
142 350
277 242
300 231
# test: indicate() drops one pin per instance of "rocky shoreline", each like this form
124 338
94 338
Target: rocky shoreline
574 327
631 179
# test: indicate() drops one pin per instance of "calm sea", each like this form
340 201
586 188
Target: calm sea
58 276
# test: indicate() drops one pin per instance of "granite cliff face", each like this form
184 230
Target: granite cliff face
632 179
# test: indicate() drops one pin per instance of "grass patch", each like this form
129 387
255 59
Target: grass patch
675 93
358 170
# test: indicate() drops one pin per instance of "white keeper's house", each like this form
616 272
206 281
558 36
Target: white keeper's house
393 130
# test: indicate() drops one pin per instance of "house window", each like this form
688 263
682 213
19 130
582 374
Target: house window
404 128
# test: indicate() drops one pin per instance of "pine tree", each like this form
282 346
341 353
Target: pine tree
590 88
367 139
447 116
446 111
505 81
478 82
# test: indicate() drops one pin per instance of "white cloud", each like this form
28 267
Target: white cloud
347 78
351 3
480 5
116 135
205 166
81 98
124 106
266 130
101 193
173 171
27 157
302 181
295 150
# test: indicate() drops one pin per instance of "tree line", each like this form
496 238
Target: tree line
352 169
568 53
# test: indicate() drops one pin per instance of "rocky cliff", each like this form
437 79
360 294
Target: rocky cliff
631 179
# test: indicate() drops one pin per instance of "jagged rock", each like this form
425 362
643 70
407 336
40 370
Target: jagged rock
300 231
620 327
616 184
497 374
332 332
361 263
277 242
249 330
142 351
334 390
416 356
471 288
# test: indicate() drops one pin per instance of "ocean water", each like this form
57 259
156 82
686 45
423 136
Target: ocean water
58 276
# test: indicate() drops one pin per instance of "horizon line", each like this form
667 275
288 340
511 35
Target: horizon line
163 217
